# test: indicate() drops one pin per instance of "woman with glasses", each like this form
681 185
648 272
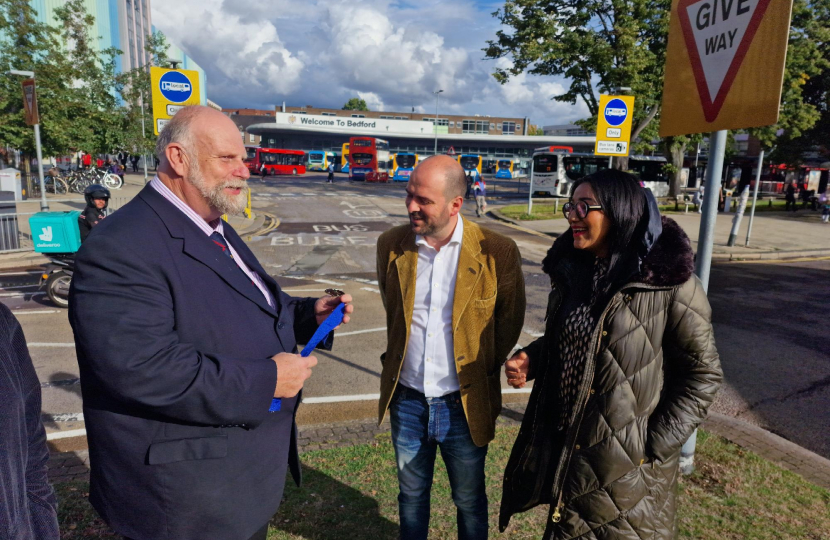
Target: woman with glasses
624 373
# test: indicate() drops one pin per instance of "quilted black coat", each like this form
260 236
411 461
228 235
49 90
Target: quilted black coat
653 373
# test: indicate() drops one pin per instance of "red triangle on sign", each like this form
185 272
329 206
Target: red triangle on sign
711 43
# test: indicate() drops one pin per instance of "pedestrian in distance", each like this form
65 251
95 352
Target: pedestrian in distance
480 192
469 186
624 373
134 162
183 342
789 197
28 506
454 299
331 173
87 160
824 203
122 158
697 198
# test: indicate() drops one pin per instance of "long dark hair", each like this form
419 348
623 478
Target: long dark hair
624 203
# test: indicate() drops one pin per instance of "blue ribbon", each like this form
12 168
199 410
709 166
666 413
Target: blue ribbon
332 321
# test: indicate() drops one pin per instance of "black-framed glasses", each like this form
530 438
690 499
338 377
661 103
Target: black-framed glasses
582 208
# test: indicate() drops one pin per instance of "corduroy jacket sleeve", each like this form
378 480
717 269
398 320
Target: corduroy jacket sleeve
692 371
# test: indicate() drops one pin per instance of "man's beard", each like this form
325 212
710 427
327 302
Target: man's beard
430 226
216 197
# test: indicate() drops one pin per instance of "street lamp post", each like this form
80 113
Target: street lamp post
143 138
44 206
436 120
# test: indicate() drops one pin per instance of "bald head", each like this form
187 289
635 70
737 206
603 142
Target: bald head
445 170
190 126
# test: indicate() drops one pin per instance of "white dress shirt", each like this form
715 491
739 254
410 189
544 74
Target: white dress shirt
429 364
206 228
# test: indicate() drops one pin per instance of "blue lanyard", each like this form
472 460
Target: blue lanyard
331 322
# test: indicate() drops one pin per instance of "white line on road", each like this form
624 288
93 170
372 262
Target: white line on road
360 280
50 344
30 273
370 289
329 282
66 434
20 287
21 294
354 333
63 417
532 333
33 311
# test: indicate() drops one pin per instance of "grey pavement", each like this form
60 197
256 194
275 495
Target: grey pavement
775 235
74 466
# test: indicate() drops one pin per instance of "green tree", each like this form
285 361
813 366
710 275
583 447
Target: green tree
77 101
601 46
355 104
535 130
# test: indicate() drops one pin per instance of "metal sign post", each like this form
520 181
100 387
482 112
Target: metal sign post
754 197
33 119
530 193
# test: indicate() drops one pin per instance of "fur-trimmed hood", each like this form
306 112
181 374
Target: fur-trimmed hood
668 262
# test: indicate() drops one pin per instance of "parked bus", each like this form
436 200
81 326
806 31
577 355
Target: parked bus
402 166
471 164
319 160
344 157
554 169
368 155
504 168
269 161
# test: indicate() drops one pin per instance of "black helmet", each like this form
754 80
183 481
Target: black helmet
96 191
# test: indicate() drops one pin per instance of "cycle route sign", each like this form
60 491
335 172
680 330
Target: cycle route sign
173 89
724 65
616 114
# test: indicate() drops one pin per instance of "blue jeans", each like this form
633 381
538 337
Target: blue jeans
419 426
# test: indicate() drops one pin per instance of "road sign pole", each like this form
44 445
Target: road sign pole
143 137
705 241
44 206
754 196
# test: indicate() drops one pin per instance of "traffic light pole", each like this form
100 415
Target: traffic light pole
705 242
44 206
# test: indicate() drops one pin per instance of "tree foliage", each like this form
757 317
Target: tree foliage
600 46
355 104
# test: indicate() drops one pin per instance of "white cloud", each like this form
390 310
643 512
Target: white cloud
235 52
394 55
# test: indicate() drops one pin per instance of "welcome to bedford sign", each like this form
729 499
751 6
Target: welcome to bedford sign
378 126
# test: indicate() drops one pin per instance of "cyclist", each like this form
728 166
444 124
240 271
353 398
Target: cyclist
97 197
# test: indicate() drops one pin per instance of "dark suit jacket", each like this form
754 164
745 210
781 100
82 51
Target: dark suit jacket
28 508
174 345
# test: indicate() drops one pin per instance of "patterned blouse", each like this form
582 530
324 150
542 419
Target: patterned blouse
574 344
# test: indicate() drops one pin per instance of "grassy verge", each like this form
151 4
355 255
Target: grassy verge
351 493
546 211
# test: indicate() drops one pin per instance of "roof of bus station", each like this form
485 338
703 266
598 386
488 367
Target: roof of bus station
579 142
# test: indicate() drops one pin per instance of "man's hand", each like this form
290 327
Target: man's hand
292 371
325 305
516 370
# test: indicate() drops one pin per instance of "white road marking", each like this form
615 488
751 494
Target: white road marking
33 311
63 417
532 333
30 273
66 434
370 289
328 282
20 287
50 344
21 294
354 333
360 280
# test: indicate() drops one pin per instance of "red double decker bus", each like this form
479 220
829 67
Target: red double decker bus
368 159
267 161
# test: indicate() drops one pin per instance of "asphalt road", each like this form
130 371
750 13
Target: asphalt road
768 321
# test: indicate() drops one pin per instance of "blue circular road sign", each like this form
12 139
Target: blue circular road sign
615 112
175 87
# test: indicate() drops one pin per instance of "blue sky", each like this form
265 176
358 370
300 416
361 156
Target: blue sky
259 53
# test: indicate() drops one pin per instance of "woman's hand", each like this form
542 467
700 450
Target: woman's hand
516 369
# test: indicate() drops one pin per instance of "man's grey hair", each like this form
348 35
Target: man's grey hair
178 130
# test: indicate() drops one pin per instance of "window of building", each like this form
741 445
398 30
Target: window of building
299 112
358 116
441 121
475 126
452 124
328 114
508 128
401 118
251 137
492 127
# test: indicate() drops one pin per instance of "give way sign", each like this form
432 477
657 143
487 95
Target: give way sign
724 64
